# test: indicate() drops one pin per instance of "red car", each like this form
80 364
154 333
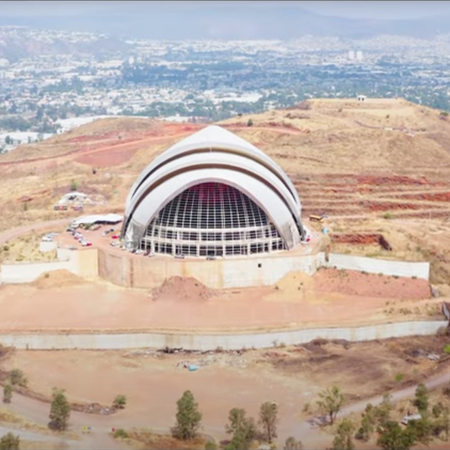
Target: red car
115 236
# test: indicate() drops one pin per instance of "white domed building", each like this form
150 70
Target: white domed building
213 194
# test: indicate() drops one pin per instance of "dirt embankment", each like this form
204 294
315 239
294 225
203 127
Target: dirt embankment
350 282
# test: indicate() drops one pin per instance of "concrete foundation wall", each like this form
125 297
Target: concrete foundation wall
211 342
143 272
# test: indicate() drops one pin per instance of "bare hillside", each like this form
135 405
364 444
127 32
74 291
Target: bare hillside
375 166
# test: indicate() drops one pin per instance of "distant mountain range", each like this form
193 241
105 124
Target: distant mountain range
156 20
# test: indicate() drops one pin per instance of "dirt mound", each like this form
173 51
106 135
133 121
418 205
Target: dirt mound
57 278
182 289
294 286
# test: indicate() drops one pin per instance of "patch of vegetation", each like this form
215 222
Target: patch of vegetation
399 377
120 433
119 402
18 378
7 393
9 442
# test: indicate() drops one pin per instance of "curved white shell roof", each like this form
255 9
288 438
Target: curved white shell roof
213 155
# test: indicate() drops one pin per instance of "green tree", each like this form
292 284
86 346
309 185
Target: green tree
421 399
330 403
441 421
17 377
188 417
368 422
119 402
392 437
250 123
382 412
343 440
292 444
268 419
7 393
9 442
421 429
59 410
242 428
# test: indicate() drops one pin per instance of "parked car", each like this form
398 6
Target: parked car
115 236
139 251
179 256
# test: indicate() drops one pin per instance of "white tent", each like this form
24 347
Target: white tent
98 218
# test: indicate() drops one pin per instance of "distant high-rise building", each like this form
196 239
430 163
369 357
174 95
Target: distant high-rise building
351 55
359 55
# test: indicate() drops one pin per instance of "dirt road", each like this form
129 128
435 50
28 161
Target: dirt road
16 232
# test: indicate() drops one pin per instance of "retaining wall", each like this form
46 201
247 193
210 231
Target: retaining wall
82 263
384 266
142 272
148 273
212 341
28 272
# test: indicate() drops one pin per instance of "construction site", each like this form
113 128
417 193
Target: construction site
353 294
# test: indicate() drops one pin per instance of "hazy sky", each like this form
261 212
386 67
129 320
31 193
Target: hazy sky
354 9
227 19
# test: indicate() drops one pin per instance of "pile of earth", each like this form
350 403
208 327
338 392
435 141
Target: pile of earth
182 289
57 279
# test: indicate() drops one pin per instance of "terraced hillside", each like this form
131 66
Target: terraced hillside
379 166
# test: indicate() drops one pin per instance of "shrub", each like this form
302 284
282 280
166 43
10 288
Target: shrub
292 444
398 377
387 215
210 445
7 393
9 442
119 402
447 349
250 123
121 434
17 377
